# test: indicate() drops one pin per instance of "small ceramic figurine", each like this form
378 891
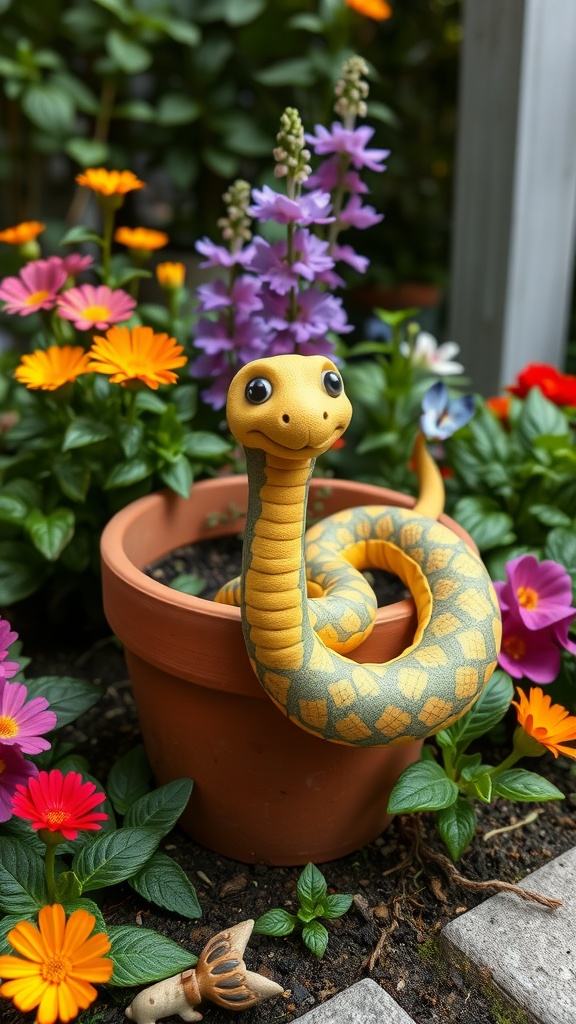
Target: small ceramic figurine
220 976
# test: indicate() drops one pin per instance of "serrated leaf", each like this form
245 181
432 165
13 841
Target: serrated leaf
315 937
423 786
519 784
336 904
457 826
22 883
83 431
113 858
141 956
163 882
129 779
51 533
67 697
275 922
311 887
488 710
161 808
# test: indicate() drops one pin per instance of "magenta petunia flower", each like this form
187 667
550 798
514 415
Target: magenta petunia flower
7 638
35 288
312 208
21 723
538 594
528 652
15 770
350 141
95 306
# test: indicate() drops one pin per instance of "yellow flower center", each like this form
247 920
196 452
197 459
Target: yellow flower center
37 297
55 969
57 816
514 646
527 597
8 727
97 313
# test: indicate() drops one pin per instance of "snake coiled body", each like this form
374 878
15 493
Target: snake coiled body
297 642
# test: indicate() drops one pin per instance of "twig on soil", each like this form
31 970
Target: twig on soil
371 961
510 828
412 830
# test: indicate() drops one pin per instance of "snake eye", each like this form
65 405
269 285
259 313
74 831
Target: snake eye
332 382
258 390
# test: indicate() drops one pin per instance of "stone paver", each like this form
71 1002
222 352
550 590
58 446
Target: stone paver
362 1003
529 949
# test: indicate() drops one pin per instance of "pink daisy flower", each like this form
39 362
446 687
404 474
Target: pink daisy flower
7 638
22 723
15 770
35 288
74 264
95 306
538 594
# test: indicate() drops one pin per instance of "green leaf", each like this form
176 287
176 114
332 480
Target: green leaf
130 436
423 786
68 697
295 71
480 785
178 476
141 956
519 784
483 518
202 444
73 477
163 882
311 887
135 110
540 418
550 515
275 922
83 431
336 904
22 882
22 571
113 858
457 826
83 903
12 509
489 709
188 583
307 23
181 31
132 471
50 534
79 234
175 109
129 779
129 56
161 808
87 152
68 887
242 14
561 547
49 107
315 937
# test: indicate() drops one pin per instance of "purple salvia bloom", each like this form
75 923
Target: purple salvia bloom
219 256
346 254
316 314
354 215
14 770
21 724
352 142
243 295
311 259
312 208
329 177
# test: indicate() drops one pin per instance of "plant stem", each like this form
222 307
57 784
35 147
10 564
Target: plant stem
49 863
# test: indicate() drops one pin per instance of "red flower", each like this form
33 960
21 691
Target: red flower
59 803
559 388
500 406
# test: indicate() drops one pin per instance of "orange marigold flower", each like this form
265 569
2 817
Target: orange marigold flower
377 9
109 183
51 368
128 356
550 724
27 231
500 406
58 962
170 275
141 238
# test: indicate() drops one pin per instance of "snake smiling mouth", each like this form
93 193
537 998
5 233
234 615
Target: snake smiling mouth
306 450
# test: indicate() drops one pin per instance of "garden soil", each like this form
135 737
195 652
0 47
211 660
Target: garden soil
404 888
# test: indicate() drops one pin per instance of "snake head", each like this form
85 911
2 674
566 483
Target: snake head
292 406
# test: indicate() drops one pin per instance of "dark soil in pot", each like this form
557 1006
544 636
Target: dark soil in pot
402 898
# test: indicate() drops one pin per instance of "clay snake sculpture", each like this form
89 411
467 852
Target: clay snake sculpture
305 604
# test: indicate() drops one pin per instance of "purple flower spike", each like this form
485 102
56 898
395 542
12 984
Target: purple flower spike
313 208
538 594
352 142
442 416
22 723
14 770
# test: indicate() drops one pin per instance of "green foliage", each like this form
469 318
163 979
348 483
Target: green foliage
450 788
315 902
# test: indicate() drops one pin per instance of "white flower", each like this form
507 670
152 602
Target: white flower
429 355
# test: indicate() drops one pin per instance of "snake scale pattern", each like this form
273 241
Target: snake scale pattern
305 603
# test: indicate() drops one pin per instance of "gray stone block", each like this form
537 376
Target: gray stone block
362 1003
529 950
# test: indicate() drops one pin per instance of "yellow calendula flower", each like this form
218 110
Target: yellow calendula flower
141 238
170 275
27 231
377 9
57 965
136 355
550 724
51 368
109 183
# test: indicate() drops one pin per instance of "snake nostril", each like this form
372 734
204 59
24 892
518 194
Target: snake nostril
286 418
325 415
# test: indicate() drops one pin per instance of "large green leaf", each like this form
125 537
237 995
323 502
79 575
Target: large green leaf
315 937
519 784
22 571
128 55
275 922
457 826
50 107
22 882
113 858
129 778
540 418
489 709
423 786
84 431
311 887
161 808
178 476
163 882
130 472
141 956
68 697
51 533
488 525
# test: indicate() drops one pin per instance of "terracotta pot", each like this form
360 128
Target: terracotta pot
264 790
